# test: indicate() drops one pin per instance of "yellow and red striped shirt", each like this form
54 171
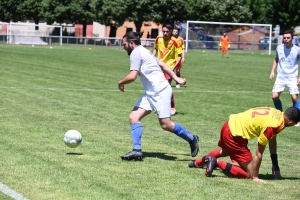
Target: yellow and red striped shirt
167 50
261 122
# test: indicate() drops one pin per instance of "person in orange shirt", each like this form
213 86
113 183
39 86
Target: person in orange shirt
224 43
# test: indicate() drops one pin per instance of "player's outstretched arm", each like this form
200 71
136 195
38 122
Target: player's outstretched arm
170 72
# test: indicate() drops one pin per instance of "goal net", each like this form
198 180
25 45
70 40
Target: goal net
26 33
242 36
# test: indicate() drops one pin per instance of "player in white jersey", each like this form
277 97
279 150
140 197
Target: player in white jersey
157 95
286 62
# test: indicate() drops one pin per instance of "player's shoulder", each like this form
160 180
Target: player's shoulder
174 40
159 38
280 47
296 47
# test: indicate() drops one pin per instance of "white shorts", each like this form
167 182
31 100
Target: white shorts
160 102
281 83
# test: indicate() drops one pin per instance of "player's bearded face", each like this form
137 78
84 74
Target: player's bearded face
127 46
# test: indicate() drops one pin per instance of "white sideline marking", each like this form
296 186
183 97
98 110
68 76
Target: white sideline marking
13 194
116 90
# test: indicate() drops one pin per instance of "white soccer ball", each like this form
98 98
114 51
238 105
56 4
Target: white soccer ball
72 138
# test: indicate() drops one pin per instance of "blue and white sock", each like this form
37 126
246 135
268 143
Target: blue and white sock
182 132
136 135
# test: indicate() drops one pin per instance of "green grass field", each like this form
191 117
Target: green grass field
45 92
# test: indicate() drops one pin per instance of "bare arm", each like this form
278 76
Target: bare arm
154 52
183 56
177 61
128 79
272 74
255 163
273 145
170 72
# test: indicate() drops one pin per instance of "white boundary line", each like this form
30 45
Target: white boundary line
13 194
116 90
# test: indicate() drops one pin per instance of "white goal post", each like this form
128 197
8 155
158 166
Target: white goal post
267 31
25 33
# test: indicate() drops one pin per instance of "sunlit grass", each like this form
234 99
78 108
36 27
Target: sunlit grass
45 92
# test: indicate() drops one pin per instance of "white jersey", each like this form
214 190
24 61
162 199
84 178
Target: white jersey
287 61
151 75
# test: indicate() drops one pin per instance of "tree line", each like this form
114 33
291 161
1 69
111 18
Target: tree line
276 12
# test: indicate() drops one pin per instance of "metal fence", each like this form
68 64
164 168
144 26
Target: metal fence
117 42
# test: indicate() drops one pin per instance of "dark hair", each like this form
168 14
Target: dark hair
175 28
133 36
292 113
289 32
168 26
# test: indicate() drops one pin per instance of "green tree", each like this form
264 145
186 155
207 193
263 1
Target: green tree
9 11
257 8
31 10
139 11
284 13
214 10
70 11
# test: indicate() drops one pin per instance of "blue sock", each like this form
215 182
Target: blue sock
278 105
136 135
182 132
296 104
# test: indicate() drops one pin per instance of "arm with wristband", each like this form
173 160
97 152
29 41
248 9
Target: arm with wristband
274 158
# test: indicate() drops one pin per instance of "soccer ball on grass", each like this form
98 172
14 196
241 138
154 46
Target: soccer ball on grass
72 138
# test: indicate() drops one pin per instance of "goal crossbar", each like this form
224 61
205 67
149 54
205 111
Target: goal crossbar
228 23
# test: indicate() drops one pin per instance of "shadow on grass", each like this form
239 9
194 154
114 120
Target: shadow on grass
158 155
74 154
263 176
270 177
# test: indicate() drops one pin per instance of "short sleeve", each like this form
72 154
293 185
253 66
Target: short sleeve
135 60
265 137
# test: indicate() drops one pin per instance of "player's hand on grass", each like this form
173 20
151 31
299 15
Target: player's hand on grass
276 173
258 180
121 87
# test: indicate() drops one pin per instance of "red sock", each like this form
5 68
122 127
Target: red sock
232 169
215 153
172 101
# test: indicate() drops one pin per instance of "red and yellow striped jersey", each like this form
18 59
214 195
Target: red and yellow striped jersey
167 50
261 122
